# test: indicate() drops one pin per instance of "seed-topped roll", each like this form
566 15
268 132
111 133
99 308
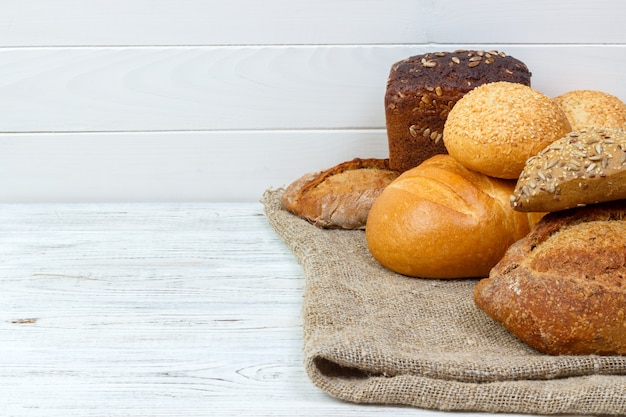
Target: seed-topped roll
584 167
496 127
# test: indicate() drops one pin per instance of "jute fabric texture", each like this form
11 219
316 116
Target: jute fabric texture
374 336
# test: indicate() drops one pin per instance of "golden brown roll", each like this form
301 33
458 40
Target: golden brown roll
339 197
561 288
496 127
591 108
441 220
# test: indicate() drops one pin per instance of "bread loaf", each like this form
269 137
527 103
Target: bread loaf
591 108
339 197
422 89
496 127
562 288
584 167
441 220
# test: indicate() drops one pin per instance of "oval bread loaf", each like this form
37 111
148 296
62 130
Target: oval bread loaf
339 197
441 220
561 288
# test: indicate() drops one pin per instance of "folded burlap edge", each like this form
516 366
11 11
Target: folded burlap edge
587 393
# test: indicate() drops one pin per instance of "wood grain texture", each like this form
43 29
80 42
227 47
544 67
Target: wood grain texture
280 22
196 88
195 124
153 310
202 22
160 71
171 166
183 309
74 73
243 88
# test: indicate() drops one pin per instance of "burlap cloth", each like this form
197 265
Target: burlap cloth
373 336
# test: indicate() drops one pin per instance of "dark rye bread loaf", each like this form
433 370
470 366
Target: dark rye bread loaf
422 89
562 288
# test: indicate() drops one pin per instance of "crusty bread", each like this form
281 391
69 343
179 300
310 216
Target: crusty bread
583 167
591 108
561 289
441 220
422 89
339 197
496 127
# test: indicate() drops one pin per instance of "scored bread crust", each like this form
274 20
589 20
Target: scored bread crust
562 288
339 197
441 220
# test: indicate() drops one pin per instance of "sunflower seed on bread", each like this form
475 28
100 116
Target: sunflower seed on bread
584 167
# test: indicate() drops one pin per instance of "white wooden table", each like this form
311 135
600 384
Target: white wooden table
153 310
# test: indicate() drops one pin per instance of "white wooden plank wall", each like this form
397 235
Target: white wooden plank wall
201 100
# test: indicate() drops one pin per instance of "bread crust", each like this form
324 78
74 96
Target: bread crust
584 167
339 197
441 220
562 288
496 127
591 108
422 89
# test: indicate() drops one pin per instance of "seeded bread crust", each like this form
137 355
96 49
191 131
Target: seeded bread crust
421 91
339 197
561 289
496 127
584 167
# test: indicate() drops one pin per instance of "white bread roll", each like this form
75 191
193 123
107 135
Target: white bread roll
441 220
591 108
496 127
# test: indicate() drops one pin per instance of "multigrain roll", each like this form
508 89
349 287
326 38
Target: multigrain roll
584 167
441 220
591 108
422 89
496 127
561 288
